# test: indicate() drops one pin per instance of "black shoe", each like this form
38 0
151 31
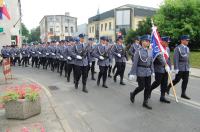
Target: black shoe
85 89
76 86
26 66
68 79
122 83
93 79
115 79
104 86
185 96
164 100
145 105
132 97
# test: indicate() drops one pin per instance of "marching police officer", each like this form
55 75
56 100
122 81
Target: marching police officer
39 51
17 56
120 55
33 54
161 69
92 58
70 60
102 53
5 52
181 65
25 55
143 69
135 47
80 53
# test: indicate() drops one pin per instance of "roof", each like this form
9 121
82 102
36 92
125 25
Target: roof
55 15
138 11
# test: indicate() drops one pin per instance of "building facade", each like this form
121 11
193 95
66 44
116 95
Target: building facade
10 29
118 21
57 27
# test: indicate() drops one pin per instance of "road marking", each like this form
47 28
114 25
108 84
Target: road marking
190 103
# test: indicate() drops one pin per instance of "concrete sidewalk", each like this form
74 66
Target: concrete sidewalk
195 72
47 121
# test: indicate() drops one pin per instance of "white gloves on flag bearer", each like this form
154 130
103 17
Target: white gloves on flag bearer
101 57
79 57
167 68
131 77
119 55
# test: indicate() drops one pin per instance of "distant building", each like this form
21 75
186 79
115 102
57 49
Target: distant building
10 30
57 27
118 21
83 28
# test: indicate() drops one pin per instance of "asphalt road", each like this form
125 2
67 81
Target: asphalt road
110 110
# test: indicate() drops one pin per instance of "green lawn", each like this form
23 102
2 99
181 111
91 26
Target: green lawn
194 58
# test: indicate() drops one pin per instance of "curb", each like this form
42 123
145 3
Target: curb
58 111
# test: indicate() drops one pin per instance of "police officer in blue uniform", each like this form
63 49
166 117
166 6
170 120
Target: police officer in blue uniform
80 53
143 69
103 54
25 55
161 69
135 47
92 58
182 65
17 56
120 55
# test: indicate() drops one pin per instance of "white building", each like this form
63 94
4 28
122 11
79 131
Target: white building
11 29
57 27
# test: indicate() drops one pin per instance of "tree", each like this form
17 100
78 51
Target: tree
25 32
178 17
34 35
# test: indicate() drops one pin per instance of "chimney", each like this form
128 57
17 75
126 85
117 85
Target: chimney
66 13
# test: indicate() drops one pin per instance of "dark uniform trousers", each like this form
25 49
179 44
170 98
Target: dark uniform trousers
70 67
81 70
34 61
162 80
48 62
103 72
120 70
144 83
25 61
62 64
93 67
17 59
184 75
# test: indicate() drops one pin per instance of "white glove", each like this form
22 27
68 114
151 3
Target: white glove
40 53
153 74
53 54
176 71
69 58
90 63
119 55
61 56
167 68
33 52
23 52
101 57
79 57
131 77
15 54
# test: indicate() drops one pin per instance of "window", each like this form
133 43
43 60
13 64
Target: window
93 29
101 27
72 29
66 29
110 25
105 26
90 29
51 30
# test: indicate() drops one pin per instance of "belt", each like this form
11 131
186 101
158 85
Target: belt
144 66
182 60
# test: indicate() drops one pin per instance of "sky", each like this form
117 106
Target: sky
34 10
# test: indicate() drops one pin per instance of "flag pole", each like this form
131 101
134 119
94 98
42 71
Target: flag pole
169 75
173 88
